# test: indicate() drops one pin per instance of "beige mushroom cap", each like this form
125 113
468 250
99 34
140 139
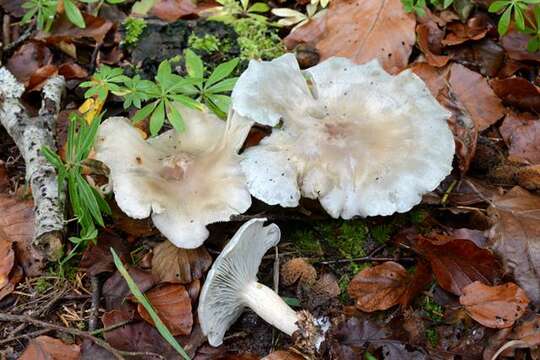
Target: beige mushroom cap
361 141
185 181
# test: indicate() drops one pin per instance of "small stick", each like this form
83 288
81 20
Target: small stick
365 258
94 309
30 335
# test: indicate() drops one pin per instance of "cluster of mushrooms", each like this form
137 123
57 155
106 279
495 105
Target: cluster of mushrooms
359 140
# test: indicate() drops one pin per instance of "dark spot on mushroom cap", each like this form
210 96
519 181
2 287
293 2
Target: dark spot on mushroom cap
139 160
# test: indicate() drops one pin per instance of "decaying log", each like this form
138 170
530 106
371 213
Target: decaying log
30 135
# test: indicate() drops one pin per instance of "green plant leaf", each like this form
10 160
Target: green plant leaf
504 22
222 102
88 199
259 8
221 72
52 157
165 333
144 112
498 5
519 19
174 116
194 65
74 14
223 86
157 119
447 3
189 102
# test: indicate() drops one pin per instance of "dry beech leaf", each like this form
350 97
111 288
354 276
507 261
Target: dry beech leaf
134 227
298 269
521 132
379 287
485 56
176 265
136 336
48 348
515 237
518 92
97 259
7 259
429 41
363 30
515 44
476 28
282 355
458 263
308 33
172 10
28 59
173 306
494 306
17 222
115 288
528 177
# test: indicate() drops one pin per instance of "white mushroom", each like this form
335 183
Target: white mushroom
183 180
361 141
231 285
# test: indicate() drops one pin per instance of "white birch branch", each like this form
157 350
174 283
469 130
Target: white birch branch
31 134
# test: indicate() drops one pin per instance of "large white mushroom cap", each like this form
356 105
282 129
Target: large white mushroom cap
183 180
361 141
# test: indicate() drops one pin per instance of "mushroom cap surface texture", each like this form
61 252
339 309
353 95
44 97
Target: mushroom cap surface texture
183 180
221 303
361 141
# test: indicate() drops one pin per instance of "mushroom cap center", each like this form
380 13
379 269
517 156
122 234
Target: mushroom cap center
174 167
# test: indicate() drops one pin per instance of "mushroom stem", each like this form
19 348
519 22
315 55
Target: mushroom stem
271 307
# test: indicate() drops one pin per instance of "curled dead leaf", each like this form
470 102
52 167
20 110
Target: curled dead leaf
515 237
379 287
7 259
521 133
494 306
429 41
298 269
362 30
48 348
475 28
27 60
172 10
17 222
173 306
176 265
458 263
518 92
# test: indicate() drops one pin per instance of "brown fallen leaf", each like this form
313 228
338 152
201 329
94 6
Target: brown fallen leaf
38 79
137 336
173 306
28 59
48 348
17 222
485 56
518 92
283 355
97 259
379 287
115 288
308 33
515 44
298 269
521 132
494 306
528 177
416 283
429 38
458 263
475 28
72 71
172 10
471 100
476 96
7 259
363 30
134 227
176 265
515 237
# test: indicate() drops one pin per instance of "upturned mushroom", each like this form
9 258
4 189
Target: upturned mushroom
231 286
183 180
361 141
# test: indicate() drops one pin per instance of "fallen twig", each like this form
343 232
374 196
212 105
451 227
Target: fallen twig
31 134
365 258
94 309
118 354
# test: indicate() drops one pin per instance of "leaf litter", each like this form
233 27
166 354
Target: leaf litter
471 262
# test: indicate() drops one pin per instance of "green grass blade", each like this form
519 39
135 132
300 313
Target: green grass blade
165 333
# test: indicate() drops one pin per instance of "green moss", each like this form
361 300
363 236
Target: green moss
257 40
350 239
306 243
208 43
434 311
133 28
381 233
432 337
42 285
